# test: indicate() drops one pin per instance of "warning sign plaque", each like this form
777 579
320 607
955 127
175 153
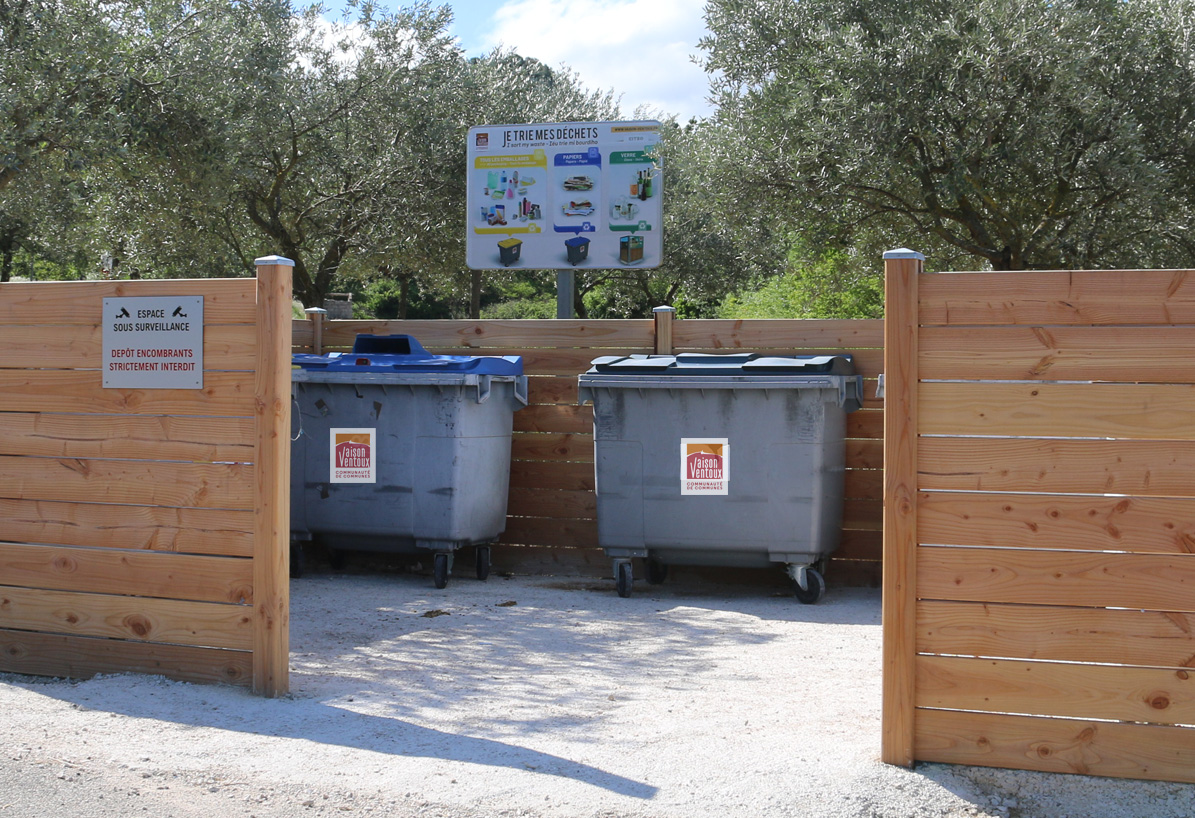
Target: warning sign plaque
353 456
704 465
153 343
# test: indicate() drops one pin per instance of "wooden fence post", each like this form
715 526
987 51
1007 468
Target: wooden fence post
317 315
664 316
271 529
901 270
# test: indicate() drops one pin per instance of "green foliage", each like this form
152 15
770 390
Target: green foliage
1022 132
543 307
833 286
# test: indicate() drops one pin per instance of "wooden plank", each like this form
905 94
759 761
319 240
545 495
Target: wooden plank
546 531
143 573
1136 524
864 483
1141 411
794 334
1060 297
590 563
864 454
225 347
540 418
1150 695
863 514
556 446
844 573
1123 354
83 657
1119 637
528 502
900 453
302 335
1151 582
467 337
866 423
199 485
1056 745
224 394
271 487
1132 467
547 389
218 532
127 617
225 300
546 474
860 545
139 437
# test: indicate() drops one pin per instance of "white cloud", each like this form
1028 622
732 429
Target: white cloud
639 48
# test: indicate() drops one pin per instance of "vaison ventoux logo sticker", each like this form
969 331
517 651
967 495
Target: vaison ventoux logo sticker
704 465
354 456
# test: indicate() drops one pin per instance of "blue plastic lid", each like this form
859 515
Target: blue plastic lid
576 241
735 363
402 353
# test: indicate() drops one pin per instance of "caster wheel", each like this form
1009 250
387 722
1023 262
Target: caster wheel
483 562
816 589
440 570
657 572
298 562
623 579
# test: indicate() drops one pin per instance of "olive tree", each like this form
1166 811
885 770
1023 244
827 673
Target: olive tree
1020 133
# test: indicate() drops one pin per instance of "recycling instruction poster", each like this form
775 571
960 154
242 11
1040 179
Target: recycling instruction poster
564 195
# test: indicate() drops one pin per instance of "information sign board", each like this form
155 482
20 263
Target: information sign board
153 342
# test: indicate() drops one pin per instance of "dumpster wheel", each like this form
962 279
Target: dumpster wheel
623 578
483 562
815 590
440 570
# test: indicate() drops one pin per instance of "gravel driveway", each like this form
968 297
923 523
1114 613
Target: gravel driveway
527 696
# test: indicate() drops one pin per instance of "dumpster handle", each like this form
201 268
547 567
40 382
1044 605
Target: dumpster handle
295 400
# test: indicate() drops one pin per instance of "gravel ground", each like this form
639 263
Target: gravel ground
531 697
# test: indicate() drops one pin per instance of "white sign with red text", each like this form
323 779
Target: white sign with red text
353 455
153 342
704 465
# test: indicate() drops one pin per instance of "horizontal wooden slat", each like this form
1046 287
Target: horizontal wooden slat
1152 695
1133 467
1153 582
143 573
1138 524
225 301
145 437
846 573
865 454
1122 637
589 562
863 514
864 483
83 657
528 502
199 485
866 423
1120 354
218 532
540 418
796 335
547 389
546 474
1055 745
127 617
81 347
856 544
302 334
224 394
1059 297
536 446
1143 411
544 531
464 336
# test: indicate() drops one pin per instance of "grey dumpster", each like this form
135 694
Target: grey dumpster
398 450
733 460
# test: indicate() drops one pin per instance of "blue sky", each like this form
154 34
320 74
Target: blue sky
639 48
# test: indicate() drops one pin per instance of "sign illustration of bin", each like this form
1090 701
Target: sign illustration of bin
509 251
577 248
732 460
630 249
402 451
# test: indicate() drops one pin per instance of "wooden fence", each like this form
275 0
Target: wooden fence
146 529
1039 562
552 524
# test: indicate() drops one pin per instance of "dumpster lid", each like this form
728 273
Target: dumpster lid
735 363
576 241
510 242
402 353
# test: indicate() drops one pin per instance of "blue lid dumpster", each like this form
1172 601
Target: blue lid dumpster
733 459
577 248
402 451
